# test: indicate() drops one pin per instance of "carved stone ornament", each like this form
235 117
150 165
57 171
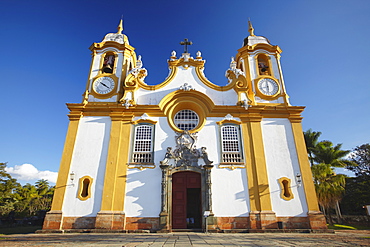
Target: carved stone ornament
127 103
186 87
186 153
139 72
234 70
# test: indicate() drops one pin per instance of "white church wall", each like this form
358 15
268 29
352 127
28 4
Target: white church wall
229 187
189 76
88 159
143 188
282 161
143 193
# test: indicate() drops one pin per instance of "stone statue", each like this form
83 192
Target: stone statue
167 156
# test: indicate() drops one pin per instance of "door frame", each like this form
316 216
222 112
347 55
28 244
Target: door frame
206 194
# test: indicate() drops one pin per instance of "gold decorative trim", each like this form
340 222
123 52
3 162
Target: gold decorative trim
139 121
232 166
82 190
182 100
231 121
286 192
141 166
106 44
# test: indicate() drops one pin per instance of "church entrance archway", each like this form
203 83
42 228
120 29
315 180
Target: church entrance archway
186 200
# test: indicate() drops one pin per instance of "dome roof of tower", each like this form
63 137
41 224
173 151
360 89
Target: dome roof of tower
117 37
253 40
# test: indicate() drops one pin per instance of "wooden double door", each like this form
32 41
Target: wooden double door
186 200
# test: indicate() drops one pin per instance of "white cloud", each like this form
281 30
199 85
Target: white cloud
29 173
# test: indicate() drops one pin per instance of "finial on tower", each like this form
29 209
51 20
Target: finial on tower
251 29
120 26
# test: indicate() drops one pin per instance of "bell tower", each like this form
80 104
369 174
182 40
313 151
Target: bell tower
112 59
260 62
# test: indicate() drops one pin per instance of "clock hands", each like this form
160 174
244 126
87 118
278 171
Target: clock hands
104 84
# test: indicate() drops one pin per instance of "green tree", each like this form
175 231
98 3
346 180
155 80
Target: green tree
356 195
329 186
311 139
357 189
361 156
7 187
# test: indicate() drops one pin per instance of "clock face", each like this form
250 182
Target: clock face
104 85
268 86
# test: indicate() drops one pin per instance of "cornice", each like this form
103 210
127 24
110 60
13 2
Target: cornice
253 113
103 45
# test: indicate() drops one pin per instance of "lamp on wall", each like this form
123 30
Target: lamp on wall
298 179
72 177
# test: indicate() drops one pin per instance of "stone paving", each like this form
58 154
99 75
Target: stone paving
340 238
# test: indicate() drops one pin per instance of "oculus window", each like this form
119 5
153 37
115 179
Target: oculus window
186 120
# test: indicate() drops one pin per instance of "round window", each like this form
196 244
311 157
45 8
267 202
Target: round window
186 120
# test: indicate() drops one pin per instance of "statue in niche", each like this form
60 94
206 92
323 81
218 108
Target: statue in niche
108 64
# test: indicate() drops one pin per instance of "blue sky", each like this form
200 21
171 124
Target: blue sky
45 60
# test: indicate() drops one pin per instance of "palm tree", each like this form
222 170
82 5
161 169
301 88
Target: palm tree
329 186
311 139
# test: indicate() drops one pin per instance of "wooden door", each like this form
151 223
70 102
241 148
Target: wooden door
186 200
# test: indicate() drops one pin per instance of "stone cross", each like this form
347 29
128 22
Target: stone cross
185 43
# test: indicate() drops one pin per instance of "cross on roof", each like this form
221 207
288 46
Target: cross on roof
185 43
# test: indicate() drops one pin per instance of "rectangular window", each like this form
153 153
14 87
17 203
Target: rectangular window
230 141
143 144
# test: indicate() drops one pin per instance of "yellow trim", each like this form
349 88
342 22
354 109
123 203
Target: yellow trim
191 100
115 172
232 166
139 121
65 163
286 192
167 103
262 46
141 166
231 121
81 187
95 47
304 165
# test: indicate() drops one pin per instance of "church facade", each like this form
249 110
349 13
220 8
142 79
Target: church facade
185 153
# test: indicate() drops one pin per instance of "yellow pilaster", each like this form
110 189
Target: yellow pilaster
54 218
65 162
116 168
304 165
111 215
259 191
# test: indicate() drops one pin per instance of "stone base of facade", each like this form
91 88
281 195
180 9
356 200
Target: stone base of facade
226 223
142 223
317 220
263 220
53 220
116 221
110 220
78 222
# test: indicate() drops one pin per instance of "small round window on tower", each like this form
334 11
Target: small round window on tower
186 120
